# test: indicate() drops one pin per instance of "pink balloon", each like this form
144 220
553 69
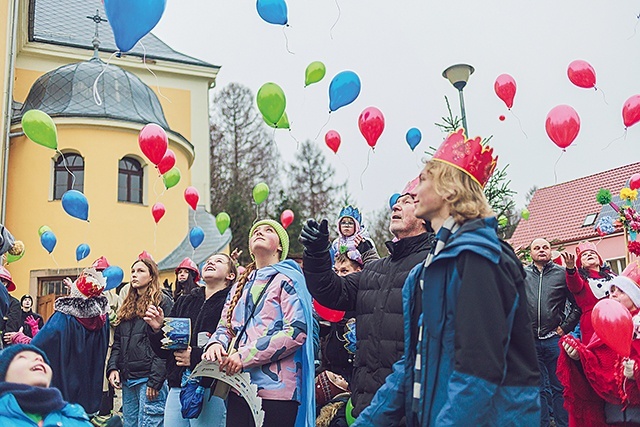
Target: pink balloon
582 74
631 111
328 314
371 124
562 125
332 139
634 181
613 324
286 218
153 142
191 196
505 87
168 161
158 210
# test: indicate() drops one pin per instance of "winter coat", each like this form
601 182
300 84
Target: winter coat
478 361
375 293
131 353
12 415
547 294
204 315
12 320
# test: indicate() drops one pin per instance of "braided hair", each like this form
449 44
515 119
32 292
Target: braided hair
239 287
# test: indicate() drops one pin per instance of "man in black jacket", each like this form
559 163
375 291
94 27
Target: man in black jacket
375 293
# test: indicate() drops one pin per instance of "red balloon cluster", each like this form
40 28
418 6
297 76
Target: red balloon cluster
371 124
286 218
562 125
191 196
582 74
505 88
332 139
614 326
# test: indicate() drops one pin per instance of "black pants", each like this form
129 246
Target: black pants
277 413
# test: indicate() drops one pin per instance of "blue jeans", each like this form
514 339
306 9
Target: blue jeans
138 411
548 352
214 412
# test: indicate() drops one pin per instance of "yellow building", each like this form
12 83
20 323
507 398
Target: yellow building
63 65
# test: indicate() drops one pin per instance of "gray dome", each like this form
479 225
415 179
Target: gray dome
68 92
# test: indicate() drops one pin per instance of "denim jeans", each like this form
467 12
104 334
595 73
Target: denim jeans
214 412
138 411
548 352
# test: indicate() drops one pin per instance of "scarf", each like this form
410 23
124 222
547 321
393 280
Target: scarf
34 400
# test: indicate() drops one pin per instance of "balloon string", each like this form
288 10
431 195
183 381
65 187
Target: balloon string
604 96
295 139
257 212
555 172
624 135
323 126
155 238
64 163
55 262
286 40
635 27
96 93
195 217
365 169
144 61
337 19
520 123
345 166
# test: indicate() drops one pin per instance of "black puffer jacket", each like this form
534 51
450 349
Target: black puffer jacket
204 315
131 353
375 293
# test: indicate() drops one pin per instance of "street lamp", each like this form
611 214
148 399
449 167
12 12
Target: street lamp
458 75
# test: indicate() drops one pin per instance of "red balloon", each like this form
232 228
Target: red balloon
631 111
505 87
191 196
286 218
327 313
582 74
562 125
634 181
332 139
158 211
168 161
502 118
612 322
371 124
153 142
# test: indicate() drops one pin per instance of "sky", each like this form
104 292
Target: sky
399 50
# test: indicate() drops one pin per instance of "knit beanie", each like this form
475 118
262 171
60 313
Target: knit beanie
280 231
7 355
326 389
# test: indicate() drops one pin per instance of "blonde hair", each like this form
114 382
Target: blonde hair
462 194
136 304
236 295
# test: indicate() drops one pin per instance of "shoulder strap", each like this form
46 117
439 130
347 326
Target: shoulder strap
246 321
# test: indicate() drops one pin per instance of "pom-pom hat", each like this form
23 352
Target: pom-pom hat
629 282
280 231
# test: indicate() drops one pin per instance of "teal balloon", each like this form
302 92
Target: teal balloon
414 136
260 193
196 237
223 221
48 241
113 275
171 178
343 89
75 204
271 102
82 251
393 199
273 11
40 128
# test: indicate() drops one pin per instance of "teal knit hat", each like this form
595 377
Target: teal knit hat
7 355
280 231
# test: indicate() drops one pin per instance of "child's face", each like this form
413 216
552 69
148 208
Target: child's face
622 298
264 238
217 268
345 267
29 368
347 227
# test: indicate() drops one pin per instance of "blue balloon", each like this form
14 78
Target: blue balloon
48 241
75 204
196 236
131 20
82 251
393 199
113 275
343 90
272 11
413 138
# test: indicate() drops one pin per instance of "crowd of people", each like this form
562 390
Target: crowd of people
448 329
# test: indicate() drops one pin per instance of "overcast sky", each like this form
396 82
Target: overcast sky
399 49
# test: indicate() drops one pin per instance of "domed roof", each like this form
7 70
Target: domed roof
68 91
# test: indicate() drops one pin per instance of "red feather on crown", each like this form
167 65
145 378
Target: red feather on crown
468 155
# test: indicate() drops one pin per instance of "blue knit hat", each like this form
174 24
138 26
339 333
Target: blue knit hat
7 355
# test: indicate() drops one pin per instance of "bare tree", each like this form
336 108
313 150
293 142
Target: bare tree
378 227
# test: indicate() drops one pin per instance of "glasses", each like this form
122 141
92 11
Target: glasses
348 223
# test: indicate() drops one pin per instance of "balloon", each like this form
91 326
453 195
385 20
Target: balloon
75 204
634 181
286 218
631 111
501 118
394 199
168 161
14 258
260 193
503 221
48 241
223 221
525 214
328 314
113 275
153 142
582 74
171 178
505 87
191 196
414 136
158 210
371 124
271 103
612 322
82 251
196 236
348 412
272 11
43 229
283 123
40 128
332 139
562 125
343 90
314 73
131 20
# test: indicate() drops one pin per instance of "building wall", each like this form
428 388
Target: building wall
6 14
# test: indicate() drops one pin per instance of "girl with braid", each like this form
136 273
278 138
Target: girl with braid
272 301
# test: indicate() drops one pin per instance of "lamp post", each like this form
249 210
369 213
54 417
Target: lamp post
458 75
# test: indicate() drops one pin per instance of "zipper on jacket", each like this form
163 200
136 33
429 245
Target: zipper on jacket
539 300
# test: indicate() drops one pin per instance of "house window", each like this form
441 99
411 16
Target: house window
62 179
617 265
130 180
590 220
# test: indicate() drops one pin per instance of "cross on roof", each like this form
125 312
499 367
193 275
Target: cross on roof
98 20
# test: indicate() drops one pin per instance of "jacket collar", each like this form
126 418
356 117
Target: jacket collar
82 307
409 245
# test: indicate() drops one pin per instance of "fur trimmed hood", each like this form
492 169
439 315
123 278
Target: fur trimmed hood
83 308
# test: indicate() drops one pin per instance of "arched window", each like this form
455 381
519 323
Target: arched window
129 180
63 180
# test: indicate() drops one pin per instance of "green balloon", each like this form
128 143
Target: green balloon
14 258
40 128
171 178
503 221
271 102
349 413
314 73
260 193
223 220
42 229
283 123
525 214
